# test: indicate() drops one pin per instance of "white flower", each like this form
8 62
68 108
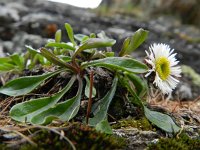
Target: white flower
164 64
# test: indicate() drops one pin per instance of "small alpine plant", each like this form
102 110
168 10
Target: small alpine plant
79 57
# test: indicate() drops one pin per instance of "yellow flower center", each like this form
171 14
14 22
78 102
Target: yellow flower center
163 67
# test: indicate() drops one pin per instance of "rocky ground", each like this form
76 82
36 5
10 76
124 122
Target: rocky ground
33 22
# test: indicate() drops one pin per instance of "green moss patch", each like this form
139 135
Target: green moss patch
142 124
82 137
184 142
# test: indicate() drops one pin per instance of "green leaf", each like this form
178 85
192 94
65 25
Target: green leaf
70 33
24 85
4 67
18 60
81 37
124 47
161 120
109 54
102 35
134 99
104 127
65 58
58 36
5 60
53 58
134 42
14 62
25 111
94 43
118 63
139 84
32 50
92 35
65 110
103 105
60 45
87 88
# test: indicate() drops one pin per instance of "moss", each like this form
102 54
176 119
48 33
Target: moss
3 147
83 137
184 142
142 124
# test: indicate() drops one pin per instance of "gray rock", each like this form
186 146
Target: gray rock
137 139
163 24
8 47
121 33
8 15
2 54
40 17
184 91
22 38
19 7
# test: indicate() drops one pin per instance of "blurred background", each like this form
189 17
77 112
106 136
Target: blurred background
174 22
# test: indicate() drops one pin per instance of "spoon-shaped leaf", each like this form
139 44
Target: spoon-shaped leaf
53 58
102 108
81 37
32 50
94 43
130 44
161 120
24 111
118 63
18 60
65 110
58 36
24 85
60 45
70 33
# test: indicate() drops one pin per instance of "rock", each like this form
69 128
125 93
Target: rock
163 24
8 15
188 33
137 139
22 38
184 91
10 136
39 17
2 54
7 32
119 32
19 7
8 47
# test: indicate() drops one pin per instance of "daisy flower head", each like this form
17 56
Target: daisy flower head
163 63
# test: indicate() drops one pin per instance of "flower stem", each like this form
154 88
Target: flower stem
90 97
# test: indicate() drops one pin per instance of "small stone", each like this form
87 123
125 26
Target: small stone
184 91
10 136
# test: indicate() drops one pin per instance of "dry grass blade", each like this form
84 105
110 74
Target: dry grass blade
20 134
6 106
